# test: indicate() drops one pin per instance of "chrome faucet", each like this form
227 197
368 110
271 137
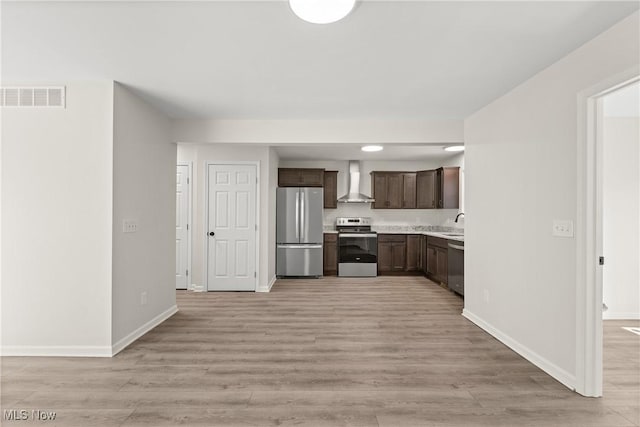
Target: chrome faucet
458 216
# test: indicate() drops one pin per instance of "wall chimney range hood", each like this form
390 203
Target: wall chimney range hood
353 183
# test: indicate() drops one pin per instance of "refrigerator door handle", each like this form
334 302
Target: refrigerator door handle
302 213
298 215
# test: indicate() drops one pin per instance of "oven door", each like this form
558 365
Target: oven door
358 248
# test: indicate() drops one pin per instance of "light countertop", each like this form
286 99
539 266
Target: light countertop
424 230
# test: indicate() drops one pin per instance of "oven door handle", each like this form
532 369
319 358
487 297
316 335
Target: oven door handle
299 246
341 235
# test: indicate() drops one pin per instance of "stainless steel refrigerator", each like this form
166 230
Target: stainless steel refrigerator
299 231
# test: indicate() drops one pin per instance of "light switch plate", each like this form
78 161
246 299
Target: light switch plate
562 228
129 226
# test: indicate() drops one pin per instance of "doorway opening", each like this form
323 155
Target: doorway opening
620 235
592 259
184 194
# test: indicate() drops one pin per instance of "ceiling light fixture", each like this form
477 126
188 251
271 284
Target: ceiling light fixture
321 11
372 148
454 148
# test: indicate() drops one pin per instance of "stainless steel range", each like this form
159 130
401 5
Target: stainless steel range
357 248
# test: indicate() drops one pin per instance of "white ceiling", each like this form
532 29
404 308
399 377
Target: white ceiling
354 152
241 60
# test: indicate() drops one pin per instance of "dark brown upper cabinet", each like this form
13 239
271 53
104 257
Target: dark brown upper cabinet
394 190
409 190
426 189
448 181
438 189
330 189
298 177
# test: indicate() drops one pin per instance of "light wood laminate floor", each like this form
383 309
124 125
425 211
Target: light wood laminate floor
331 352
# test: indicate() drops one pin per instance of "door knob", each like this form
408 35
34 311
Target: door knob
211 233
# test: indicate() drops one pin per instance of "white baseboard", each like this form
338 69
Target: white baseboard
556 372
610 315
130 338
269 286
57 351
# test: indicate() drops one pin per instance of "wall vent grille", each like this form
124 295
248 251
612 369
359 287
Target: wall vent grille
33 97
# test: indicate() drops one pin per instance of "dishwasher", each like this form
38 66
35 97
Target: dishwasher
456 267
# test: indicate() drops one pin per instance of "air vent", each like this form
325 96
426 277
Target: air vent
39 97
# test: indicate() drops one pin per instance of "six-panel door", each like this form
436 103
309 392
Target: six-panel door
231 239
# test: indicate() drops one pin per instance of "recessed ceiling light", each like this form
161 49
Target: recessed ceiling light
321 11
454 148
371 148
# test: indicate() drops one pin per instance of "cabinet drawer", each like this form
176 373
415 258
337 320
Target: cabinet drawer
437 241
392 238
330 237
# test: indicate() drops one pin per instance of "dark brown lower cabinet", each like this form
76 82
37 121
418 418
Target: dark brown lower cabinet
391 253
437 260
414 254
423 255
330 252
414 263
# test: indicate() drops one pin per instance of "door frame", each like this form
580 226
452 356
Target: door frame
208 163
189 166
589 231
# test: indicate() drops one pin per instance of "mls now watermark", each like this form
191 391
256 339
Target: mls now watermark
28 415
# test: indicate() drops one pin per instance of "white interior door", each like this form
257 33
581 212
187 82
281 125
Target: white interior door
182 226
231 233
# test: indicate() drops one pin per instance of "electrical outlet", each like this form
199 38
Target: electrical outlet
486 296
562 228
129 226
143 298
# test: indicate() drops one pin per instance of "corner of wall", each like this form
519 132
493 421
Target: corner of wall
564 377
144 162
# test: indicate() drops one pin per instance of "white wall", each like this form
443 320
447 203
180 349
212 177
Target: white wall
274 162
382 216
144 190
621 216
521 173
200 154
56 219
318 131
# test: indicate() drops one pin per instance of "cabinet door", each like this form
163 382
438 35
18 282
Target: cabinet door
384 257
448 184
379 182
398 256
409 191
426 189
312 177
424 255
442 265
288 177
330 264
330 189
413 253
432 262
394 190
